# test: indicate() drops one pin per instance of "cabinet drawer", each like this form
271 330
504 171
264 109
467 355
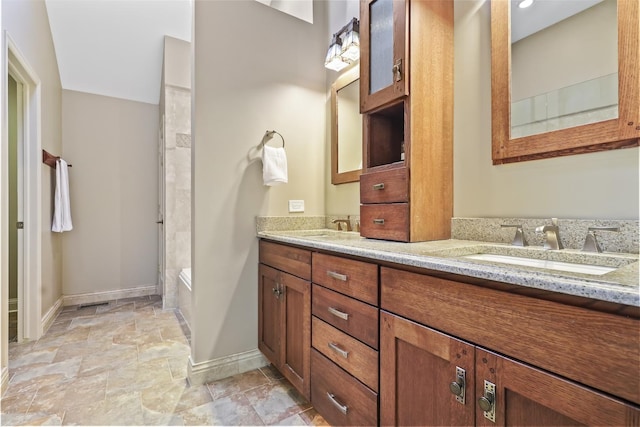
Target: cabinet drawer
356 279
358 359
388 186
292 260
340 398
356 318
587 346
388 222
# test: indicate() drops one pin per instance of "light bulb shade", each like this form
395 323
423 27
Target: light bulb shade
351 46
334 61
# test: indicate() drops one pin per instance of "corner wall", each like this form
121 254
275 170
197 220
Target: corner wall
600 185
271 78
113 145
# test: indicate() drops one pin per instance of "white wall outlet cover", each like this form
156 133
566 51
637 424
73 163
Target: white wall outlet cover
296 205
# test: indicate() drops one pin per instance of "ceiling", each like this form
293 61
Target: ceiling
542 14
115 47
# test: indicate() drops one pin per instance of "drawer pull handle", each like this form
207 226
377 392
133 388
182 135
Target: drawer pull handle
378 221
342 408
341 352
338 276
378 186
338 313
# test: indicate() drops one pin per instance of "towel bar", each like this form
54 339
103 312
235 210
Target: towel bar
268 135
50 160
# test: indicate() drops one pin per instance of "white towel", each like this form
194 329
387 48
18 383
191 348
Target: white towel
274 165
62 207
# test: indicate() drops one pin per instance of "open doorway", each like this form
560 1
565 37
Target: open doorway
15 181
23 196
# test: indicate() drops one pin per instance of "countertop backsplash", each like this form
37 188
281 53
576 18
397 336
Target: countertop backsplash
572 231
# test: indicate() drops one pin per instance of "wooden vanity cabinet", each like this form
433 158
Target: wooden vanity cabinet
344 360
545 367
406 188
284 311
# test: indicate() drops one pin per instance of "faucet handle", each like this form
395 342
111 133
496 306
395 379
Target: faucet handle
591 243
518 239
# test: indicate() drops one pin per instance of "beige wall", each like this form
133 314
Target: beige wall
176 69
343 198
270 78
112 144
27 24
598 185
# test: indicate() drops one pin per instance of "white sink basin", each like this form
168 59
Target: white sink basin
543 263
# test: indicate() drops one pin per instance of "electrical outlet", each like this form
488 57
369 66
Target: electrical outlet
296 205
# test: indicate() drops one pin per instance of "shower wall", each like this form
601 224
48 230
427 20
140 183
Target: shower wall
175 106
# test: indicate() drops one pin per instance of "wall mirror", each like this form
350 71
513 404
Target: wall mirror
564 77
346 128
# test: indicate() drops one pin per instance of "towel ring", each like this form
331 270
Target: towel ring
268 135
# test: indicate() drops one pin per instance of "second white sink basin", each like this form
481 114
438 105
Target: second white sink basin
543 263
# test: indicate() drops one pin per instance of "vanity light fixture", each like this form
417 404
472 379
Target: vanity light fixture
525 3
345 47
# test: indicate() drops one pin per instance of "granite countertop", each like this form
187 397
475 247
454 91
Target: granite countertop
618 286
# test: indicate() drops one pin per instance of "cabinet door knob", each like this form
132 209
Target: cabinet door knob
488 402
397 70
458 386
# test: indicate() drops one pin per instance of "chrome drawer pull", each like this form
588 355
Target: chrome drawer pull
338 313
338 276
378 186
378 221
341 352
342 408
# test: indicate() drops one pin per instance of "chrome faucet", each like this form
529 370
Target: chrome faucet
590 242
551 235
518 239
347 222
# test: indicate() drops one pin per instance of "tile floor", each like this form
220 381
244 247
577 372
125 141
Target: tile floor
125 363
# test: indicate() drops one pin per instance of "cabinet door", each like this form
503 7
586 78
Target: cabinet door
269 314
296 328
526 396
419 370
383 72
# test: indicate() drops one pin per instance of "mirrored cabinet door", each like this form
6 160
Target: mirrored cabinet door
384 71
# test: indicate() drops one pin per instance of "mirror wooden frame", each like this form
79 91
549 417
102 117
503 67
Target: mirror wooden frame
623 132
342 81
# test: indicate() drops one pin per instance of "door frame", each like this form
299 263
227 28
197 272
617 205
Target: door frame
29 309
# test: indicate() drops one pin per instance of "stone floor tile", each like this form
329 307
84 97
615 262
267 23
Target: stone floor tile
81 348
175 397
19 349
34 357
113 358
311 417
115 308
136 337
294 420
31 420
271 372
60 396
68 368
232 410
152 418
139 376
120 410
16 404
164 349
178 367
108 330
276 401
237 384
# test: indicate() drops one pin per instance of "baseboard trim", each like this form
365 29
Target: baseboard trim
95 297
223 367
4 381
51 315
